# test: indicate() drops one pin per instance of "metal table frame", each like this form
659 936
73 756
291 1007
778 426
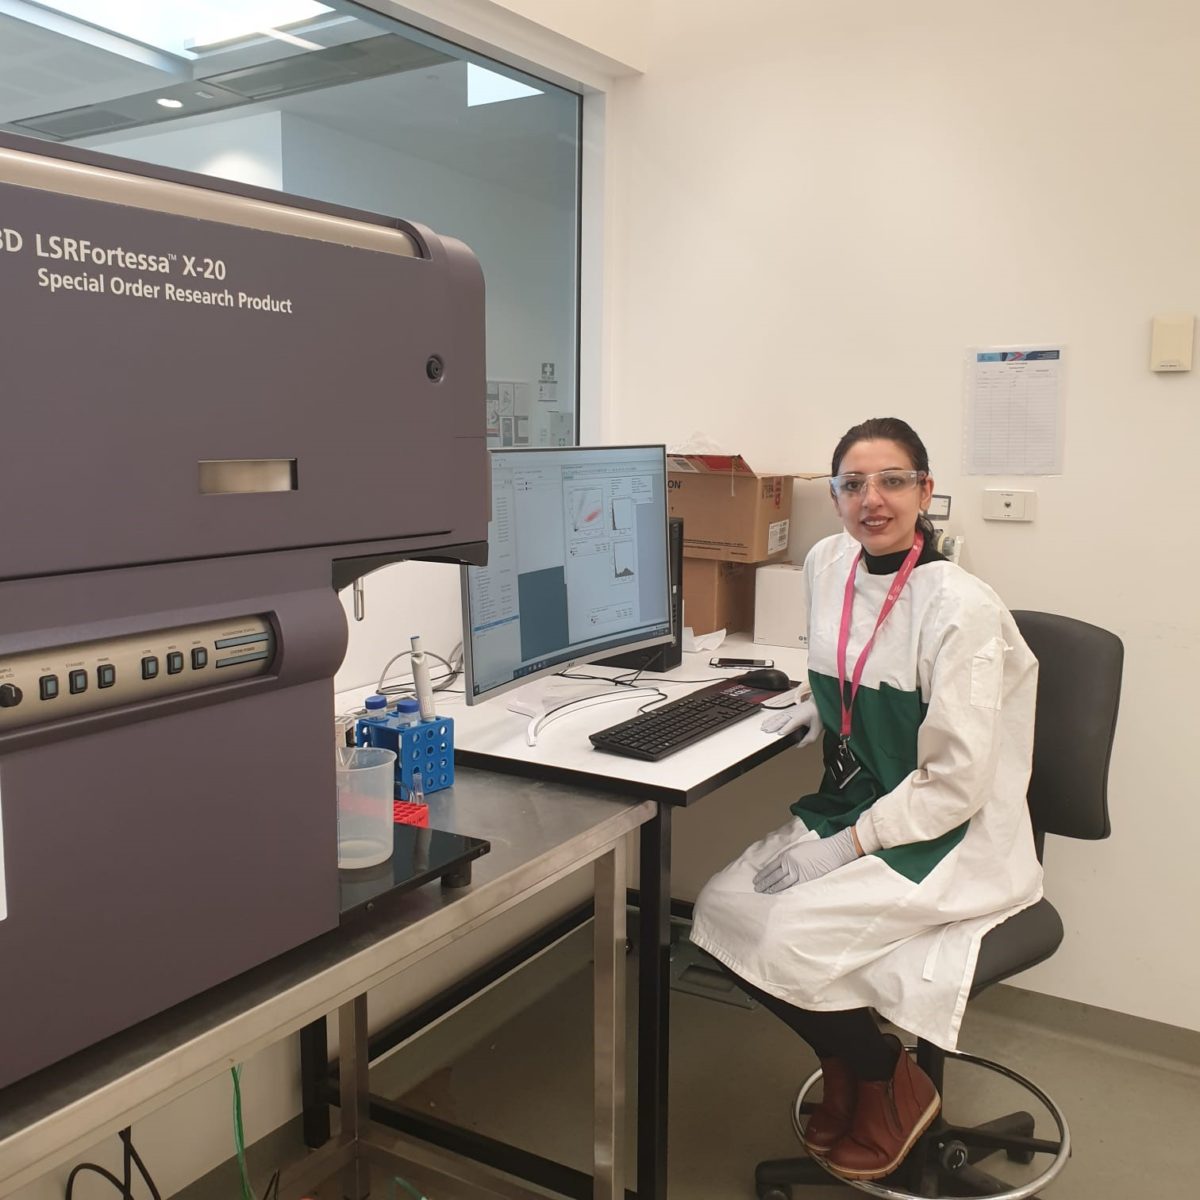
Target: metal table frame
654 904
654 933
53 1116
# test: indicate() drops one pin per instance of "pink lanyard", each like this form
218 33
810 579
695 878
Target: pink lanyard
906 569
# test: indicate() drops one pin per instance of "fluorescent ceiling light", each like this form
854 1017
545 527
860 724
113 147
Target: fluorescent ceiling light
167 102
488 87
292 39
180 26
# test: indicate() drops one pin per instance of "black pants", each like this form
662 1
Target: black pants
851 1035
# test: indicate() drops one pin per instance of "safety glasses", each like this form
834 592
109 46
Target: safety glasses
888 483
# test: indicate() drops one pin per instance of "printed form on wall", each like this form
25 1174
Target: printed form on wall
1014 402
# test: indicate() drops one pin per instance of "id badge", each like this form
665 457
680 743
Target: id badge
844 766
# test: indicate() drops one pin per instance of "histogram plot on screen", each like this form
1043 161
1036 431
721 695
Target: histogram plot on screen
622 514
624 559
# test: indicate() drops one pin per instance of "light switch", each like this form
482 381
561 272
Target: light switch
1171 343
1009 506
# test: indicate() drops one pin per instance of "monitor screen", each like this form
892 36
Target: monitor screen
577 563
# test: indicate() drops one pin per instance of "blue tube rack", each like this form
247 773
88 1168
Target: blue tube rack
427 746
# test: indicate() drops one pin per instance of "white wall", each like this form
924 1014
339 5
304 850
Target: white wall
247 149
582 41
821 205
614 28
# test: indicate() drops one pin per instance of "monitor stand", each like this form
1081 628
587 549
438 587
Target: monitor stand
544 695
548 699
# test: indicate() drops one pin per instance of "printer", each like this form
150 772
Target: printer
221 405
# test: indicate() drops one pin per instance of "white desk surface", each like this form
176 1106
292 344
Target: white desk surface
490 735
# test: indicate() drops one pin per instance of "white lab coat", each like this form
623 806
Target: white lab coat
943 725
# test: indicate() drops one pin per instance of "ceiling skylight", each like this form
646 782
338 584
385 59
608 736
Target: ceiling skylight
182 26
487 87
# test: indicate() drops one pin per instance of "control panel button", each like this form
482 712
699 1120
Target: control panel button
10 695
106 675
199 658
150 667
48 687
174 662
77 681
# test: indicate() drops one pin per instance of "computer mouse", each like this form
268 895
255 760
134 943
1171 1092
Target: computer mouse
769 679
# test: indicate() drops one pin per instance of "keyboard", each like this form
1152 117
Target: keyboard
654 735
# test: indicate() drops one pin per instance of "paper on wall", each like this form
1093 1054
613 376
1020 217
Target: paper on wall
1014 422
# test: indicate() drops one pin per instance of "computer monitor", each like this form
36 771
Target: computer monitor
577 564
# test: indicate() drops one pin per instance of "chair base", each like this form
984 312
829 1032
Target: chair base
943 1162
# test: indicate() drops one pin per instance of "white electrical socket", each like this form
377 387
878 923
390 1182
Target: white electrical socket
1001 505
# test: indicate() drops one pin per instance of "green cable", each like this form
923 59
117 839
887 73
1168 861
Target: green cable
239 1142
407 1186
239 1136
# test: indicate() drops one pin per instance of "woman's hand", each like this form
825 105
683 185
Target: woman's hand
806 861
785 720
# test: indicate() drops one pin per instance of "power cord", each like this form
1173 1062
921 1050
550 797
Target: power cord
239 1133
441 683
239 1145
633 679
130 1159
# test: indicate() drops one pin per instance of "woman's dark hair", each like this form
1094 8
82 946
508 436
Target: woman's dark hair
890 429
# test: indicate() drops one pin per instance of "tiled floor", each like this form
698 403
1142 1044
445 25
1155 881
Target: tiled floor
735 1070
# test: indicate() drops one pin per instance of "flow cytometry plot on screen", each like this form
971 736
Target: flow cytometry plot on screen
587 507
624 560
622 514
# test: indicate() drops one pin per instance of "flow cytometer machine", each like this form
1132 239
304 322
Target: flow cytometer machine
220 405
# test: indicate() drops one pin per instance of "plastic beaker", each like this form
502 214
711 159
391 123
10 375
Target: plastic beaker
365 781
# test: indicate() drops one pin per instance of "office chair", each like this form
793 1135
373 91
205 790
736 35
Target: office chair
1079 686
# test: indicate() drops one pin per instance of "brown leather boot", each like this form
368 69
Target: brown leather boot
889 1116
831 1118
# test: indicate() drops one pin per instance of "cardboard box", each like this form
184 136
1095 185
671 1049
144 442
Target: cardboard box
717 595
730 511
780 606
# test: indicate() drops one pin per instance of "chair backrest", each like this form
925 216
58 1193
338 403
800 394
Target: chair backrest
1079 688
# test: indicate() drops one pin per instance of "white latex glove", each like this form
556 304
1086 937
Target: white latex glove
806 861
788 719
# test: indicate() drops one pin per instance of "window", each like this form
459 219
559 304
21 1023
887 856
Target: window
336 102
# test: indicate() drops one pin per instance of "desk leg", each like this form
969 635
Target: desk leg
654 1004
355 1094
314 1080
608 1172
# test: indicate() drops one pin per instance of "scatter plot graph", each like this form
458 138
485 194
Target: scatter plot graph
587 507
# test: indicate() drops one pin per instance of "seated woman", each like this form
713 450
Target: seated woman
878 891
